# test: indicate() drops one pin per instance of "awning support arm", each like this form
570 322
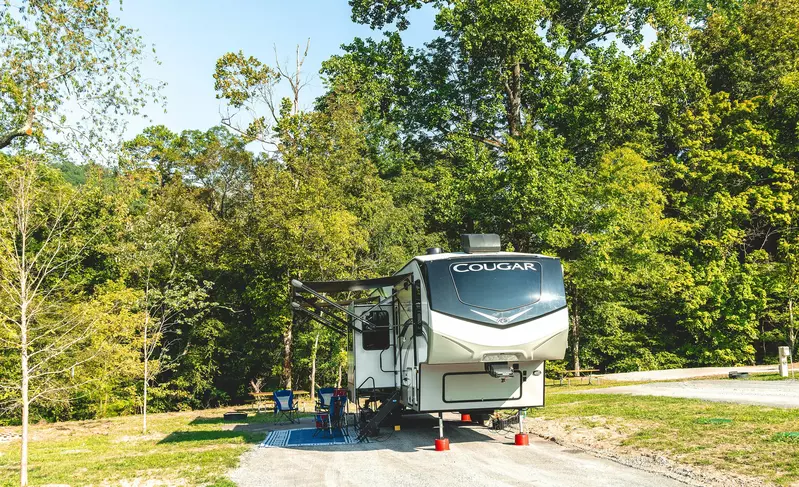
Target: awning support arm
309 304
300 285
321 320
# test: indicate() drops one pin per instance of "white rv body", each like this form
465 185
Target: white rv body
485 324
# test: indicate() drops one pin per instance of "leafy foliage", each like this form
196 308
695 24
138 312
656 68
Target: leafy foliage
653 146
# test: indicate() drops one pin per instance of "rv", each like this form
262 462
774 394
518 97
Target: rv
465 331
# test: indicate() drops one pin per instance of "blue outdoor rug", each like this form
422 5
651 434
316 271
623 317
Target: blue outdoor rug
305 437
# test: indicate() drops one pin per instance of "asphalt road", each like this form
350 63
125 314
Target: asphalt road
784 393
407 458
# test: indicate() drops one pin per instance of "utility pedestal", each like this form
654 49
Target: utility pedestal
442 444
521 438
785 353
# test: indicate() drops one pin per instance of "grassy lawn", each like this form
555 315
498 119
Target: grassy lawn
750 440
187 448
769 376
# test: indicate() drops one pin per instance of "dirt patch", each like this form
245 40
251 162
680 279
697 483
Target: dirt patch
6 437
134 438
600 437
139 482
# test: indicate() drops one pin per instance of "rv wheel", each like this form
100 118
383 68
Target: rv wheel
479 418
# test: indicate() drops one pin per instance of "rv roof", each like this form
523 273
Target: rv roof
456 255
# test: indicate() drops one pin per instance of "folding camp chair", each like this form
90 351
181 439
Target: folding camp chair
338 414
284 405
323 401
334 417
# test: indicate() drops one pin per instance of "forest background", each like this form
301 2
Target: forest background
662 173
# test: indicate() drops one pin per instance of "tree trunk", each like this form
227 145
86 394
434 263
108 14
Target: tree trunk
24 322
146 377
791 330
576 337
23 462
313 368
287 368
514 92
338 380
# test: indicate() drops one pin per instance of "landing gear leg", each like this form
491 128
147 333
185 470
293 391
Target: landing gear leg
521 437
442 444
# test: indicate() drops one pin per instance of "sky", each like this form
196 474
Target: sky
189 36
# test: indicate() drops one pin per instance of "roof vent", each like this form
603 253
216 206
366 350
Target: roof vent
434 250
474 243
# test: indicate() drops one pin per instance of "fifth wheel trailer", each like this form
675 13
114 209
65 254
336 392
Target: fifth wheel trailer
460 331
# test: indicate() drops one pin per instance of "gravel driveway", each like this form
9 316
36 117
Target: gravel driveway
784 393
407 458
672 374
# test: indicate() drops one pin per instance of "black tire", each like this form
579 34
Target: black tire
480 418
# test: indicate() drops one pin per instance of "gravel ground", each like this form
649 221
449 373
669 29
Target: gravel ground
407 458
783 393
676 374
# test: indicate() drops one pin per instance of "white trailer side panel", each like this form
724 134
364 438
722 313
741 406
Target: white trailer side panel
460 387
371 368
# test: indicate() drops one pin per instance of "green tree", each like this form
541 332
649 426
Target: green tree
60 54
45 323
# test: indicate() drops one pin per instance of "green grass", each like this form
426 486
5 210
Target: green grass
190 448
749 440
767 376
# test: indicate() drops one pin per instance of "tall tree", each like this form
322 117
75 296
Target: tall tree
42 247
57 55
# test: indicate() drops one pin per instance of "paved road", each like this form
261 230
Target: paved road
672 374
477 458
783 393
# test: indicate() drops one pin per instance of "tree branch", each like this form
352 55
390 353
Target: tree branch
24 130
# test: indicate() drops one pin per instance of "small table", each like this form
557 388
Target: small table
262 399
576 374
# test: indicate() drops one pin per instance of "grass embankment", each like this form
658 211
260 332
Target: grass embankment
749 440
770 376
187 448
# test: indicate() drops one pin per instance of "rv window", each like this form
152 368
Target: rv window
497 285
378 337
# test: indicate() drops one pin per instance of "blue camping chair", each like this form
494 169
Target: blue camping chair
324 395
335 417
284 405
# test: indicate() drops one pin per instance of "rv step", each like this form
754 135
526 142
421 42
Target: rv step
372 426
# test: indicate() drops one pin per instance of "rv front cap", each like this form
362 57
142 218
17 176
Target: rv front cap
495 266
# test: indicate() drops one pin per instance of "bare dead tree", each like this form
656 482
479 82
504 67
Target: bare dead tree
253 87
294 78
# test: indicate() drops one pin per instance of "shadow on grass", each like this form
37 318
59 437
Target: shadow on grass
257 418
247 435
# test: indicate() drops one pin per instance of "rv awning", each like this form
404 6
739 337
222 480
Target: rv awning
356 285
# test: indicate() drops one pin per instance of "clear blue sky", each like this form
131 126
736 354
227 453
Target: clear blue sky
189 37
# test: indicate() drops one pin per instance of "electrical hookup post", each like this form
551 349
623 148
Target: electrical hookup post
521 438
785 357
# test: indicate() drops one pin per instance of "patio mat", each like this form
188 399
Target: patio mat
305 437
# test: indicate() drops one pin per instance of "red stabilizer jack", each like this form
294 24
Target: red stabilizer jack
442 444
466 418
522 439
